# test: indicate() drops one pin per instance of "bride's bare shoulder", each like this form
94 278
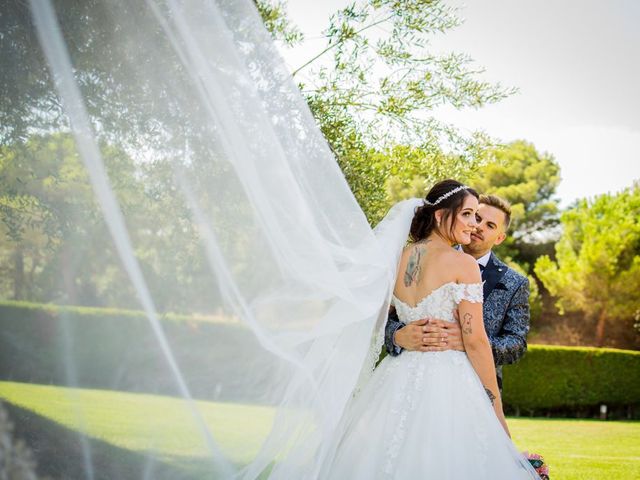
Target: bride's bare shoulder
464 265
459 257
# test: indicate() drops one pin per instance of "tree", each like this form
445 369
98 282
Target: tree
38 205
130 105
274 16
50 218
597 266
528 180
56 246
373 86
383 76
377 91
139 98
411 171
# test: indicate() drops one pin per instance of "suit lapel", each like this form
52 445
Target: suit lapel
492 274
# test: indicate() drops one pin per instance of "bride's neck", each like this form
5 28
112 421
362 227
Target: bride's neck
436 239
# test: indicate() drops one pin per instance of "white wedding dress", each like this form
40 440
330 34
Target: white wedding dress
425 415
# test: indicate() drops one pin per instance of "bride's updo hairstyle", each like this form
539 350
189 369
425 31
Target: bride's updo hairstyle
424 220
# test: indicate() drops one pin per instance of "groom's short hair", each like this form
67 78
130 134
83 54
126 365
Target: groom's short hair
499 203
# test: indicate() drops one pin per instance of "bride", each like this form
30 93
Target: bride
433 414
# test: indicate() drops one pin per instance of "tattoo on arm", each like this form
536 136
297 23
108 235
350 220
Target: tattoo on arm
491 396
466 323
413 271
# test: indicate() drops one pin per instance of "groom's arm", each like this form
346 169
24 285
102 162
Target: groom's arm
510 344
390 329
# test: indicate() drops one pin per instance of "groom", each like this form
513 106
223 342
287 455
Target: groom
506 299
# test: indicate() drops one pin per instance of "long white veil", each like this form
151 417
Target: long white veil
215 197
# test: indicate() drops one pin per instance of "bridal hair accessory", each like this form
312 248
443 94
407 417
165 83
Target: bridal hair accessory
445 196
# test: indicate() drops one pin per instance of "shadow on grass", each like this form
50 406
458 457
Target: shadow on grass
58 451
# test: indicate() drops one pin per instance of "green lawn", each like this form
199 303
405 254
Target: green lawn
147 423
582 449
574 449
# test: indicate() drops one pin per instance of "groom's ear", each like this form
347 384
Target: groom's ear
500 238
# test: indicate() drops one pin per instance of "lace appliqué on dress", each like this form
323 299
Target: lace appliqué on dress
471 292
440 303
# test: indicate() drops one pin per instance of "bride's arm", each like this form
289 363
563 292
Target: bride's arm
475 339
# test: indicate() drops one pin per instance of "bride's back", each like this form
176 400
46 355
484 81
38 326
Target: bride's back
424 267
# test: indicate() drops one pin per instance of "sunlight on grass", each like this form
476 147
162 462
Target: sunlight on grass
582 449
131 421
574 449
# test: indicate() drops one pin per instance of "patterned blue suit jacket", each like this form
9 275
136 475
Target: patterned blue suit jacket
505 313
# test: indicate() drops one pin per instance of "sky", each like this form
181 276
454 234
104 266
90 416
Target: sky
576 65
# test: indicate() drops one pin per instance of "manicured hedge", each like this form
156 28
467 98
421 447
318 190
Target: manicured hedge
116 349
552 377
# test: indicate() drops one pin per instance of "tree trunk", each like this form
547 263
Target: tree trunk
68 275
30 278
18 274
602 319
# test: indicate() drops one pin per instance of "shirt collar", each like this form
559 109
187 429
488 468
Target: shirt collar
484 260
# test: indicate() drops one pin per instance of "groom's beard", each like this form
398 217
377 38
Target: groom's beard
477 245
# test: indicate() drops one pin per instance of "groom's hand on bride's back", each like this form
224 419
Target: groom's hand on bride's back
429 335
450 332
410 336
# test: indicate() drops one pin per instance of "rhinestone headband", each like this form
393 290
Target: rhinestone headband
445 196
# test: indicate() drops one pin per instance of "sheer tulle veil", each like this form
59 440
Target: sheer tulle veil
280 284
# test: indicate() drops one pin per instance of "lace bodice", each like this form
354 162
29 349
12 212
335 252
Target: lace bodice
440 303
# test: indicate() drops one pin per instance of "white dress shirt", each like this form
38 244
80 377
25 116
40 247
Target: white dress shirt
483 260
